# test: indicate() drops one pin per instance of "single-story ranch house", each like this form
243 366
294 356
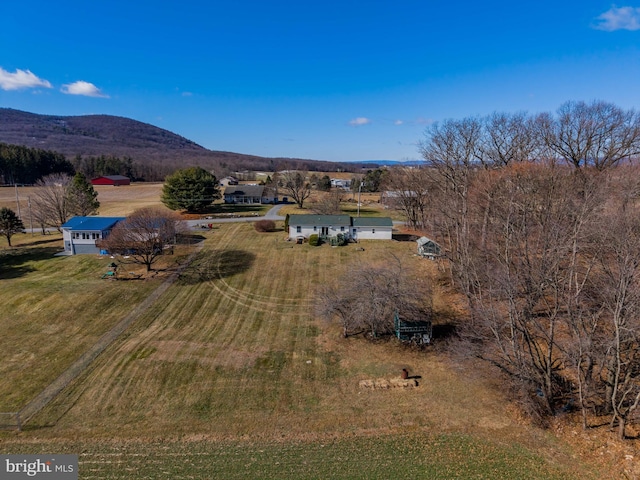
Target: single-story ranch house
115 180
249 194
81 233
327 226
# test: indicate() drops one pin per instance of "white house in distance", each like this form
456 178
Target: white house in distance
341 183
80 234
354 228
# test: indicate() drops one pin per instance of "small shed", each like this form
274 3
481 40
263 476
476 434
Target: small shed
428 248
115 180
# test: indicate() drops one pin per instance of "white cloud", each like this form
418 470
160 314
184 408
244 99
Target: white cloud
356 122
21 79
187 94
399 122
424 121
623 18
83 88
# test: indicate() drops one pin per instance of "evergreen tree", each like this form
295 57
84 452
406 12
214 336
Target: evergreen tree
82 197
10 223
190 189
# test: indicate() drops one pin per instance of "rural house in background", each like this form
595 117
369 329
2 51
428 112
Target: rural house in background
115 180
329 226
226 181
249 194
341 183
80 234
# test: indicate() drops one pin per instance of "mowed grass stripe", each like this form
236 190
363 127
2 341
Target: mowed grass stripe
267 261
268 332
53 315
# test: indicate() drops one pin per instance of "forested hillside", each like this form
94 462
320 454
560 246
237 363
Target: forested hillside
154 151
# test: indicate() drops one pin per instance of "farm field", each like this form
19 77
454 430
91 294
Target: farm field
114 201
229 374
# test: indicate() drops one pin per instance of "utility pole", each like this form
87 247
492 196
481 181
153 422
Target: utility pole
17 201
359 190
30 216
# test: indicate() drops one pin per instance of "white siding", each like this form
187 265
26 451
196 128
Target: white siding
373 233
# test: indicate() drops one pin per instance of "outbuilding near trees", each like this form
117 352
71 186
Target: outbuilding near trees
115 180
428 248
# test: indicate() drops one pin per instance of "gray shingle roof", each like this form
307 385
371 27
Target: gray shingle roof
372 222
320 220
246 190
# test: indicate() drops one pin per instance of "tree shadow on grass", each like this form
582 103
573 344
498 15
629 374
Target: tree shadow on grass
404 237
215 264
12 262
189 239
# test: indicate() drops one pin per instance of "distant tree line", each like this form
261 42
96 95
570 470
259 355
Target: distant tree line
103 165
22 165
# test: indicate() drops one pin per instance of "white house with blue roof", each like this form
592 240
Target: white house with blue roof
80 234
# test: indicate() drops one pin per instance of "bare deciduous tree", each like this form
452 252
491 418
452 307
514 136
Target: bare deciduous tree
294 183
410 190
50 201
452 152
598 134
143 236
508 138
368 298
328 203
619 294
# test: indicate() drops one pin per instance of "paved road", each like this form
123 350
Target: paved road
272 214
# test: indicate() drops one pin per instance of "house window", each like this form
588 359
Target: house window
298 229
373 230
315 229
342 229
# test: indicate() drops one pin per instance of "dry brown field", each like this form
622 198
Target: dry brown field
114 201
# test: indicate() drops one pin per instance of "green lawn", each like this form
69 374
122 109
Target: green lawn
383 457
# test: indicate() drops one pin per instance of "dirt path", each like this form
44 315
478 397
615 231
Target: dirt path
80 365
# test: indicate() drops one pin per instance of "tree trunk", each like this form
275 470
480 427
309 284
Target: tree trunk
621 427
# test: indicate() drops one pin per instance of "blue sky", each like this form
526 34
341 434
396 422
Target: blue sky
331 80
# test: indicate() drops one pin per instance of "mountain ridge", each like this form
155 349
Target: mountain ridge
110 135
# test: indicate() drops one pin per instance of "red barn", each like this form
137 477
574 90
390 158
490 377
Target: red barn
115 180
